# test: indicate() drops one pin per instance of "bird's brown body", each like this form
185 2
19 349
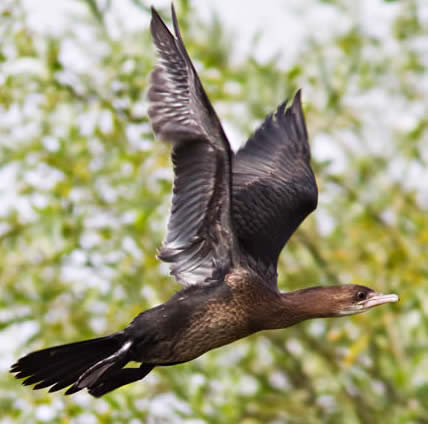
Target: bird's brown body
199 319
196 320
232 213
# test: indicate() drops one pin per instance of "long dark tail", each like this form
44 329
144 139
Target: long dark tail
95 364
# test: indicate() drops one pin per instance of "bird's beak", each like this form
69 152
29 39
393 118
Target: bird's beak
376 299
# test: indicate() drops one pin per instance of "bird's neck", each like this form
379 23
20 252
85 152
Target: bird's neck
300 305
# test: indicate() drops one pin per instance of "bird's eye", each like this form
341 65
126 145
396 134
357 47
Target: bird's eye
361 295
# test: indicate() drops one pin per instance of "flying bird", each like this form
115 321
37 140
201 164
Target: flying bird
231 215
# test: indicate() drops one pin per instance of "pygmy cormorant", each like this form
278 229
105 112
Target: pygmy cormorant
231 216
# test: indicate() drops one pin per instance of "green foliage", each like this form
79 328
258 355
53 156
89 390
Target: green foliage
85 196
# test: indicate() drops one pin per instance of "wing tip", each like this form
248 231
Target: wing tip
156 19
175 21
296 104
158 26
281 108
155 16
297 101
296 117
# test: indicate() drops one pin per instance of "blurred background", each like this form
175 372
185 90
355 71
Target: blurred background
85 191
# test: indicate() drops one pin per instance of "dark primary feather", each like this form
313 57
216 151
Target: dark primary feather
274 188
200 240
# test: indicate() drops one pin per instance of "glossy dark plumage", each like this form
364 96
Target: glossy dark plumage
231 216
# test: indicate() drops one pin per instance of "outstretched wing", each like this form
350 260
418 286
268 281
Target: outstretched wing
274 188
199 242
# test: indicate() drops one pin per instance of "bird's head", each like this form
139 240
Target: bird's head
333 301
352 299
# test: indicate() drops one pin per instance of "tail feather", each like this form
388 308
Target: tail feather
64 375
54 371
61 366
69 379
73 350
119 378
116 360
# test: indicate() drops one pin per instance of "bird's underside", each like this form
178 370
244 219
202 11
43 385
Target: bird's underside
231 215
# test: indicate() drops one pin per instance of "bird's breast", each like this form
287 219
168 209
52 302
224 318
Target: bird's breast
189 325
218 324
